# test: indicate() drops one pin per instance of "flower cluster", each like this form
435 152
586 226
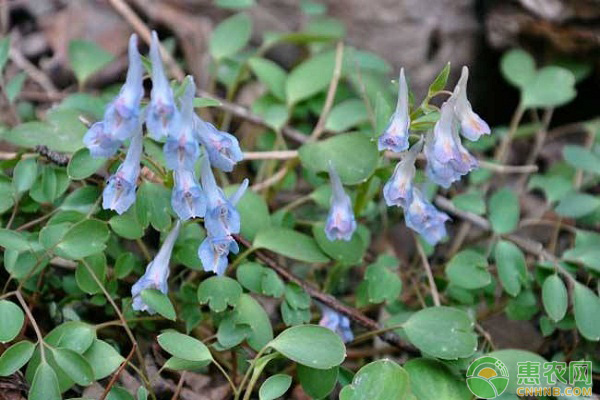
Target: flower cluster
185 136
447 158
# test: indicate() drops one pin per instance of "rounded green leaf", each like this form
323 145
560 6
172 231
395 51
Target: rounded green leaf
218 292
25 174
518 67
577 205
317 383
230 36
82 164
468 269
249 312
12 318
270 74
159 302
74 365
95 265
352 170
510 358
184 346
178 364
550 87
582 158
586 305
555 297
254 212
87 58
83 239
504 211
346 252
311 345
275 386
347 114
471 201
290 243
442 332
15 357
45 384
310 77
103 358
511 266
430 379
379 380
250 275
81 200
13 240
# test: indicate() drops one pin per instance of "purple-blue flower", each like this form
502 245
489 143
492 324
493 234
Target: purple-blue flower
181 148
422 217
223 148
187 198
156 273
398 189
472 126
336 322
340 223
213 252
100 142
447 159
119 193
162 113
395 136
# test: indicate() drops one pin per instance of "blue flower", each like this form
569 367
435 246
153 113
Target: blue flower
340 223
156 273
162 113
336 322
181 148
398 189
395 136
472 126
213 252
447 159
187 198
119 193
223 148
422 217
99 142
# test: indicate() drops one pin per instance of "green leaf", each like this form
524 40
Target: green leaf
14 86
430 379
83 239
290 243
577 205
275 386
15 357
504 211
4 51
310 77
82 200
201 102
75 335
346 115
347 252
511 358
127 224
124 264
25 174
270 74
159 302
103 358
249 312
550 87
310 345
352 170
440 81
271 284
45 384
49 185
383 283
582 158
234 4
555 297
383 111
518 67
442 332
471 201
317 383
87 58
153 204
254 212
379 380
249 275
218 292
178 364
468 269
142 393
586 306
230 36
74 365
12 318
554 187
296 296
184 346
95 265
511 266
83 165
13 240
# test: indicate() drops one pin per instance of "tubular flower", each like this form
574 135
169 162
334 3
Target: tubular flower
100 142
181 148
398 190
336 322
213 252
162 113
187 198
156 273
119 193
340 223
395 136
422 217
223 148
447 159
472 126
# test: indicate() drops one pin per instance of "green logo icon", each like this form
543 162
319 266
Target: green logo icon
487 377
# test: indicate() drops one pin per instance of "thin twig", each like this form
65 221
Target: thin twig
434 291
36 328
179 386
36 74
116 375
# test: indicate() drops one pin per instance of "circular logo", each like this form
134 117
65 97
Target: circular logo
487 377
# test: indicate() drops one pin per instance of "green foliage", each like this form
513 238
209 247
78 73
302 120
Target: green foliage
230 36
379 380
87 58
